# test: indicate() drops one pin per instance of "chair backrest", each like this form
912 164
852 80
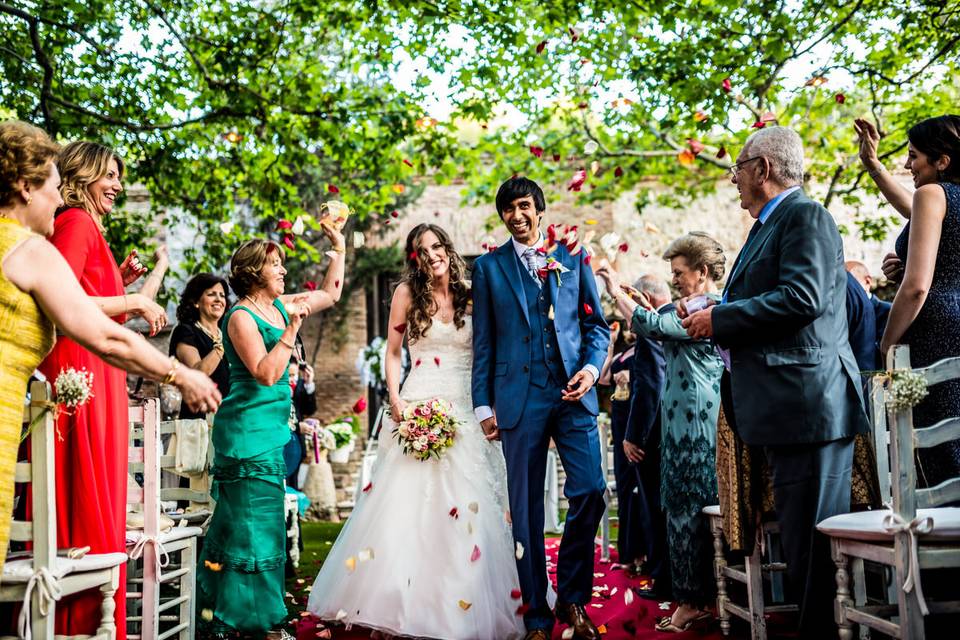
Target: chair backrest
41 530
144 459
905 440
199 491
881 434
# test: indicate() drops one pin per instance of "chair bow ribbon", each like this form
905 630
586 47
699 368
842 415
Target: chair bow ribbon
894 523
48 591
137 551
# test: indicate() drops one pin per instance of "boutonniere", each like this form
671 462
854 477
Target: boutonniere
552 265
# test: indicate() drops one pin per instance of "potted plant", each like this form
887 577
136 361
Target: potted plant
344 435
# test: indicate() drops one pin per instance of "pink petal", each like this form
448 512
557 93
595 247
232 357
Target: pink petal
476 554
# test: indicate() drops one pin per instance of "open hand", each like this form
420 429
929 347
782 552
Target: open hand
634 453
869 139
131 269
198 391
579 384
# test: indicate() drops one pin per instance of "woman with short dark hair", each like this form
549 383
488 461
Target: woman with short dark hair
197 340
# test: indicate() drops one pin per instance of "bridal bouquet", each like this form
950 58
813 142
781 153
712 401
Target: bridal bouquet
426 429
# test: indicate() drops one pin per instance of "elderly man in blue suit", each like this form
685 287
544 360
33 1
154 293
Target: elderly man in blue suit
538 346
794 387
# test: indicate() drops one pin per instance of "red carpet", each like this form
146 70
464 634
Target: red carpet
608 608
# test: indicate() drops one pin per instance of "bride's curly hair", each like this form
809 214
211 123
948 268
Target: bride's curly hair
418 278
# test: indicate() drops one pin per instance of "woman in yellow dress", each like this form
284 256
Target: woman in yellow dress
38 290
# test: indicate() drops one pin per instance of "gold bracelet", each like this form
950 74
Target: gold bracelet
286 344
339 250
171 376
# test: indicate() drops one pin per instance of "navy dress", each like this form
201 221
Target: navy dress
934 336
630 535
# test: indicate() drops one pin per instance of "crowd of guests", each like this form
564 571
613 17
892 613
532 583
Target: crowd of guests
755 372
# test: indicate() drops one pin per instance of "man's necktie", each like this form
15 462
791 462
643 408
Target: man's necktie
530 261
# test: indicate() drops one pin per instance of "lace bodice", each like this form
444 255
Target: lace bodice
441 364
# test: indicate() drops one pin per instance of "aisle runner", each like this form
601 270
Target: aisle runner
624 617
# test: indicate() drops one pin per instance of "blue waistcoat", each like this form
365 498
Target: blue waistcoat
546 362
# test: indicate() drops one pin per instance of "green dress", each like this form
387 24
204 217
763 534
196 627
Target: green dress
241 576
689 410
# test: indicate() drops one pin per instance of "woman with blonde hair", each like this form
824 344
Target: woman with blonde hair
689 411
240 582
92 479
32 300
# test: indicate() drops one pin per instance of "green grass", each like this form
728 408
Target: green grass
317 539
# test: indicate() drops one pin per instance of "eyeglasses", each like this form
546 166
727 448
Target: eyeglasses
736 167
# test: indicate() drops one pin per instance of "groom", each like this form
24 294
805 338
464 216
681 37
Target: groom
538 345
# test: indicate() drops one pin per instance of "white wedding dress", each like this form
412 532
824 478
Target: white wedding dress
406 561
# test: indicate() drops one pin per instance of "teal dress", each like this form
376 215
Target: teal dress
689 410
241 575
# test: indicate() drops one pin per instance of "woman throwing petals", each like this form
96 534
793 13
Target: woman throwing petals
241 574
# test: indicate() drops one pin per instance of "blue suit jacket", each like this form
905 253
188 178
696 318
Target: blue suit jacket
646 388
861 325
502 345
881 311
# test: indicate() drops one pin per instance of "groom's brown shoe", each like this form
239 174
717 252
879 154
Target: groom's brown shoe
537 634
575 616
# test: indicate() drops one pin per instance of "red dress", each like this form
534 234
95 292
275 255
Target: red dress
91 446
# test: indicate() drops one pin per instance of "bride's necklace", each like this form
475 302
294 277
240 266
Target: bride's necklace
441 310
269 318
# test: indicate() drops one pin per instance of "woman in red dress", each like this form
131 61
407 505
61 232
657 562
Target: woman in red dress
91 444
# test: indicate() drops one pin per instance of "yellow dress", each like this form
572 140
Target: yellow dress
26 337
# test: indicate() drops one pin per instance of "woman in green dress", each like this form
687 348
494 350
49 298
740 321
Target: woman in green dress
240 581
688 416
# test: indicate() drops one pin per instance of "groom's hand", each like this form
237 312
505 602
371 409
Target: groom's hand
490 430
579 384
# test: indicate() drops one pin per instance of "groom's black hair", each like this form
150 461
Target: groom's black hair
518 187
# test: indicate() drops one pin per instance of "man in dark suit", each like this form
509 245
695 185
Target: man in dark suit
794 388
641 443
861 326
881 308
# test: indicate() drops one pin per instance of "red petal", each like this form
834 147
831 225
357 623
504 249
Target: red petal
623 248
541 46
587 259
367 488
394 214
695 145
436 360
491 249
400 328
722 153
522 609
475 555
515 594
336 283
582 105
542 273
407 162
574 36
759 125
840 98
618 172
454 513
360 405
417 363
556 157
725 85
413 255
537 151
288 240
284 224
310 285
332 188
386 222
587 309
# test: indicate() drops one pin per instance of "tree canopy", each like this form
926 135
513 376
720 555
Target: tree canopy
240 114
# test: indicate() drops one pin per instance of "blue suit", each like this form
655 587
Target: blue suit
861 325
528 341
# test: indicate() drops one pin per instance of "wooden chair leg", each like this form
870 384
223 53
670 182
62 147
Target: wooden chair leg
860 592
719 564
108 607
188 584
754 571
845 628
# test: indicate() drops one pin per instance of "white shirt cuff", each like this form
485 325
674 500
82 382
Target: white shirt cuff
309 387
593 371
482 413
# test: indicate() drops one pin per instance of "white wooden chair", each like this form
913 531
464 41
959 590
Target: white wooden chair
915 534
760 566
38 579
164 592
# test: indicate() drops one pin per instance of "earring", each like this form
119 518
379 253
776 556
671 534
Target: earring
29 200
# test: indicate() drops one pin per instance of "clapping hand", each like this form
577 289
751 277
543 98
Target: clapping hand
131 269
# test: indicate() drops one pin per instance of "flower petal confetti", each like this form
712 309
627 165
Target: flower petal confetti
726 86
400 328
574 34
536 151
475 555
700 116
213 566
288 240
418 362
365 555
758 125
299 226
576 183
624 247
454 513
284 225
394 214
591 147
768 116
227 227
618 172
628 597
473 506
695 145
408 163
324 634
465 605
587 309
436 360
207 615
341 614
687 158
664 606
351 564
310 285
367 488
360 405
567 633
516 594
541 46
602 629
519 551
398 188
522 609
549 315
722 153
840 98
469 529
332 188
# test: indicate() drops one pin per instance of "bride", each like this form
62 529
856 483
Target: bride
428 551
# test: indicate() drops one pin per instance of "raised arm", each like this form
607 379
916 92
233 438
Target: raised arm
59 294
892 191
399 307
328 294
650 324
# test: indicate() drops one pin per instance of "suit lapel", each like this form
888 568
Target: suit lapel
766 230
507 259
561 256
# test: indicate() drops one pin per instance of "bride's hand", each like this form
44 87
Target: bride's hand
396 409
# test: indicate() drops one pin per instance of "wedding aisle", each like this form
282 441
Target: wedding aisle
623 616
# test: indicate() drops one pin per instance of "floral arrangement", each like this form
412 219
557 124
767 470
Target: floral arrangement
72 389
907 389
427 428
342 433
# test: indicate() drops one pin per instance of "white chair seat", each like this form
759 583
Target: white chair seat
177 533
712 511
868 525
21 570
